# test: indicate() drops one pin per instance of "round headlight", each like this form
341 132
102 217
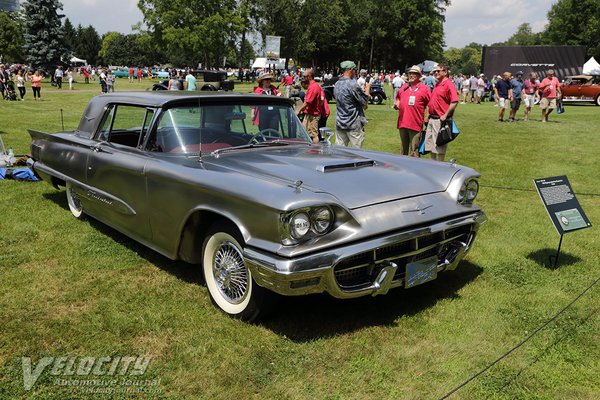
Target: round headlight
472 190
321 220
300 225
462 194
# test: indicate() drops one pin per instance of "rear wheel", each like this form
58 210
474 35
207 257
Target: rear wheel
228 279
74 202
597 100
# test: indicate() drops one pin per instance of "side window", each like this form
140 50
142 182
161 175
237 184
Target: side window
178 130
125 125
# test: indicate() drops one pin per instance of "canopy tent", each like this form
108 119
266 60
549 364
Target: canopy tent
261 62
75 60
427 66
591 67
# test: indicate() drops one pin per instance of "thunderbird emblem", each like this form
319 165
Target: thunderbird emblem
420 210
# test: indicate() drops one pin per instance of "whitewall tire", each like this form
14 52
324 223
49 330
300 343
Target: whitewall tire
74 202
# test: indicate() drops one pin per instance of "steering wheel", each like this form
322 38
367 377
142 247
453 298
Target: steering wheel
268 133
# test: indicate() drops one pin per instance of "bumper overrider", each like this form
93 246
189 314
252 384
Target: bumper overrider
371 267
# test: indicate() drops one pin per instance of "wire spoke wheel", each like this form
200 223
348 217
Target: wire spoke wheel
230 272
73 201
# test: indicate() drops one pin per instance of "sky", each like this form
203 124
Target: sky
480 21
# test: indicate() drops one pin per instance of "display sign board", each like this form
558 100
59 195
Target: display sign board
272 48
562 205
565 60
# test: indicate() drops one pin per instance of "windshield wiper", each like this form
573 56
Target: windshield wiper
278 142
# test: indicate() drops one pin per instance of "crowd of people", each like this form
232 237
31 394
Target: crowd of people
424 101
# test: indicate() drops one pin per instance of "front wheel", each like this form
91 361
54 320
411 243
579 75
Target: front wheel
377 98
228 279
597 100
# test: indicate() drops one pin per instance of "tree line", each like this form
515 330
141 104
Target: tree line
378 35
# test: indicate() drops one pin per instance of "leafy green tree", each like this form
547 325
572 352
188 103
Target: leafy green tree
44 37
70 35
119 49
11 39
466 60
524 36
575 22
88 44
191 31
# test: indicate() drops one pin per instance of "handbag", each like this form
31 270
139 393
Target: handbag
422 150
448 132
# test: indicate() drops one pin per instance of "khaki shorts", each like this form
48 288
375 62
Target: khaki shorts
433 127
546 103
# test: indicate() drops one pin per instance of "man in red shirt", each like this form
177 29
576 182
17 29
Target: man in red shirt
442 104
312 105
411 100
550 88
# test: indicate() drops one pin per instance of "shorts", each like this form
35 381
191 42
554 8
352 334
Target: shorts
502 102
465 90
431 134
529 100
480 92
546 103
515 104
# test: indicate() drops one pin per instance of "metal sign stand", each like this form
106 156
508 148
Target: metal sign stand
557 254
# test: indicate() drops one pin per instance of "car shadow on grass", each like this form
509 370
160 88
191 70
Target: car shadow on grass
307 318
188 273
545 258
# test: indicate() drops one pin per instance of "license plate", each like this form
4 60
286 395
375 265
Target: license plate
421 271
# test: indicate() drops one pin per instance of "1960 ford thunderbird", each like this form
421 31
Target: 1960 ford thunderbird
233 183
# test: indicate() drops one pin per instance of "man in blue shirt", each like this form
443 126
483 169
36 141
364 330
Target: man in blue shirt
516 84
504 94
351 102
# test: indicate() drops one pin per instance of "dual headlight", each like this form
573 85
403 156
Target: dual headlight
306 223
468 191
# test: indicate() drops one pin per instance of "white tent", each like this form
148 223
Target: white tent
261 62
591 67
75 60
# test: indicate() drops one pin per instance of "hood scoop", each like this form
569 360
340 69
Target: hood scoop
346 165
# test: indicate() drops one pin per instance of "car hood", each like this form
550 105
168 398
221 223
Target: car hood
357 178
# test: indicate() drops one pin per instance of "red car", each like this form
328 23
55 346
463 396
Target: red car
581 88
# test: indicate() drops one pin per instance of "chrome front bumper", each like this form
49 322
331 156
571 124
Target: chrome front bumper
370 267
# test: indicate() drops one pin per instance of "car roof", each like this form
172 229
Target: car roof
580 77
164 99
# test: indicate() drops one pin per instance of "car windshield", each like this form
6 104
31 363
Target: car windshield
206 128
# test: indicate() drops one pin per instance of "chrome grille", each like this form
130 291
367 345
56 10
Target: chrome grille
360 269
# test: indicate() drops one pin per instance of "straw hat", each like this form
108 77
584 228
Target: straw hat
415 69
263 77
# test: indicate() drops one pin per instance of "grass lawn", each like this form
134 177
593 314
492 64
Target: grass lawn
71 288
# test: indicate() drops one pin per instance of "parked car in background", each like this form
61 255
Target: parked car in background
581 88
234 184
377 92
123 72
206 80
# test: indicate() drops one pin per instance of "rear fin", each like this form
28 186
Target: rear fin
37 135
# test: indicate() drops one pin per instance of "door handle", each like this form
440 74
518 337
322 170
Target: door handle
100 149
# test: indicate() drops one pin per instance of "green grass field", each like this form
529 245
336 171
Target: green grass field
72 288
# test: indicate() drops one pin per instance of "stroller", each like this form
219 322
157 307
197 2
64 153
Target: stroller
9 91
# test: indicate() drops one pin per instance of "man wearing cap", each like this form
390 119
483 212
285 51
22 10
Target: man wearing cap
480 88
312 105
411 100
364 82
351 101
442 104
550 88
503 93
517 85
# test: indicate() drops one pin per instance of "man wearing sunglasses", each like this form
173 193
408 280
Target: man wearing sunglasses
441 106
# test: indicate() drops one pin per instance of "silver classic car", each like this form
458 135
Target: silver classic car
234 183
